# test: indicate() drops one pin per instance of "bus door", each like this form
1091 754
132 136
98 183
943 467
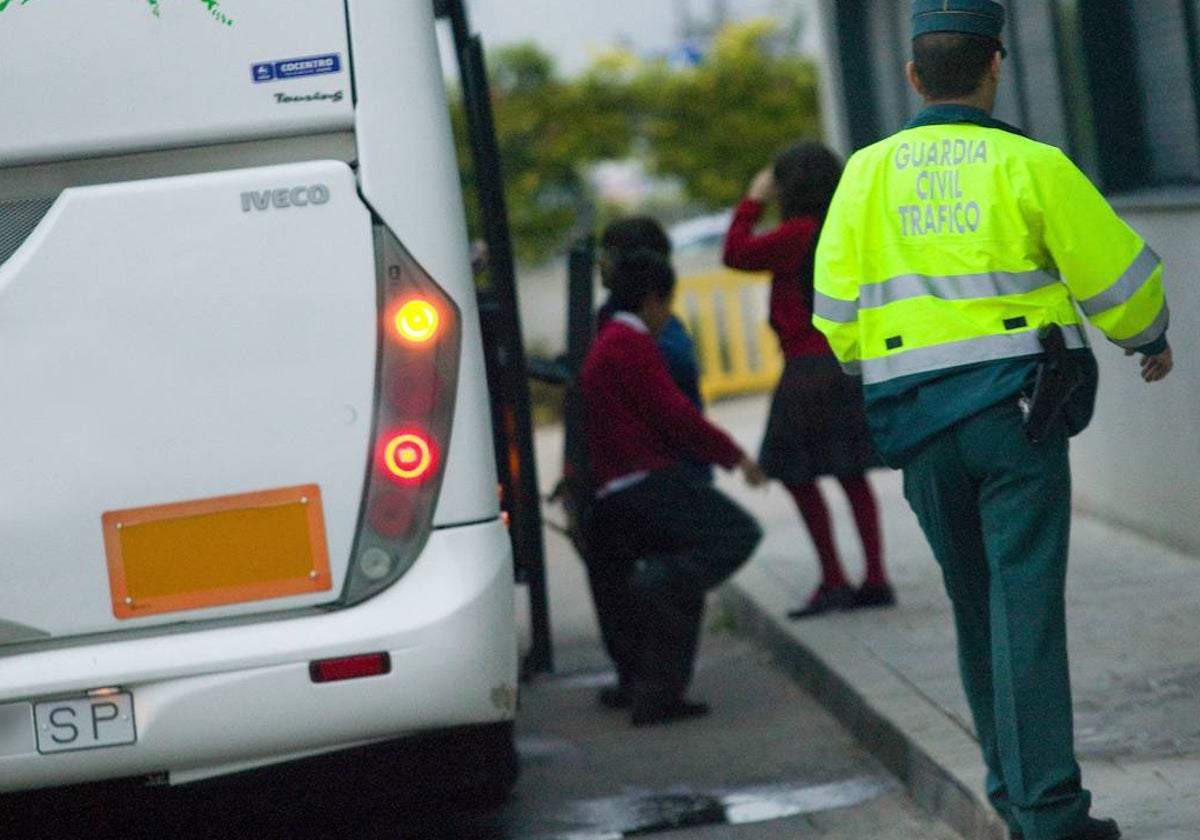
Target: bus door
507 368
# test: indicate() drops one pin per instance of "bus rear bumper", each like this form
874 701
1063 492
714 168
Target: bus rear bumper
216 701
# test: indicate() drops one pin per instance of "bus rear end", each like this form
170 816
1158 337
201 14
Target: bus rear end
248 511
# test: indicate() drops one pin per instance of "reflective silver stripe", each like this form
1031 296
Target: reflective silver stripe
988 348
1152 332
959 287
852 368
834 309
1126 286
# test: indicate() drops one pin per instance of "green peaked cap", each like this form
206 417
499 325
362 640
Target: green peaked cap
977 17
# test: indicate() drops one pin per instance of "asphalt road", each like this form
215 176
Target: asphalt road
766 763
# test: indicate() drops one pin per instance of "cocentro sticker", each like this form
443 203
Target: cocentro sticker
295 68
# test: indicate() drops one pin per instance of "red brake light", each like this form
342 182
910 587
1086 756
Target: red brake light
408 456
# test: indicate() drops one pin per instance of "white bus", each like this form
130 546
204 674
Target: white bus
248 498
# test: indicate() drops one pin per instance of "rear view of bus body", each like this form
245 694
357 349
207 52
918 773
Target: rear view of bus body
248 508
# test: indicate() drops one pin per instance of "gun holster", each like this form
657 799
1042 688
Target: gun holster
1053 385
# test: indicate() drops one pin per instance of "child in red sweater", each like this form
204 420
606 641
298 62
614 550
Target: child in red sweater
667 536
817 425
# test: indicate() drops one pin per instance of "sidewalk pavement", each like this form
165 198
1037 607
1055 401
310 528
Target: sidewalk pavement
891 675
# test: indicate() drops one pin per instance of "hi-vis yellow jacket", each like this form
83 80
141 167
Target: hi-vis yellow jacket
947 246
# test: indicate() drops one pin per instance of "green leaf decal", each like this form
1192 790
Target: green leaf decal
212 6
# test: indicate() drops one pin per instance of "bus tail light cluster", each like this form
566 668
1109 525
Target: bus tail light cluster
417 368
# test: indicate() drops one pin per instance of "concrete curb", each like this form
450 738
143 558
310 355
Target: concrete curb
914 739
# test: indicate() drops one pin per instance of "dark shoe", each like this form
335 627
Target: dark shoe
615 697
652 715
871 595
826 599
1093 829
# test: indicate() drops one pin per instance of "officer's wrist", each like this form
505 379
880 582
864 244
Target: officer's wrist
1154 347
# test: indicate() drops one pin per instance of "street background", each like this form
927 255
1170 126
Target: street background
891 675
574 30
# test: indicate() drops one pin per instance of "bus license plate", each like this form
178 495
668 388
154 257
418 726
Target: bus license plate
84 723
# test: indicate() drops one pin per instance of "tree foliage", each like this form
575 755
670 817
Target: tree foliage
716 124
711 126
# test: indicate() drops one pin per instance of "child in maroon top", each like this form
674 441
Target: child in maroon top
661 536
817 425
626 235
638 419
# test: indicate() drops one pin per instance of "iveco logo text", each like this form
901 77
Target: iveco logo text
281 198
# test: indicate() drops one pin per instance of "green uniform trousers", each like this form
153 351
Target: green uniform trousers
996 510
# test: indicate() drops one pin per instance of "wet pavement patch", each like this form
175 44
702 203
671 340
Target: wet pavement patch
643 814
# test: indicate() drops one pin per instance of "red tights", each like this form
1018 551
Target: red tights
813 510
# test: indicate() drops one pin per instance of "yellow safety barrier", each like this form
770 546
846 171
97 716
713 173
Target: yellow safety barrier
726 313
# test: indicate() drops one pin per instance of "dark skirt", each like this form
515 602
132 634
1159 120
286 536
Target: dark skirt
817 425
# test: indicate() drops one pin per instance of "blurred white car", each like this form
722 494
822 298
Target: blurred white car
700 234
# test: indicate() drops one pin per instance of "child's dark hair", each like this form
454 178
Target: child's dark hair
806 176
633 233
952 64
640 274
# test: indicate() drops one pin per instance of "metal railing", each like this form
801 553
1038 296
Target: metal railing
726 313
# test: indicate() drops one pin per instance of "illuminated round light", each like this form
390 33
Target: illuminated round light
375 563
417 321
408 456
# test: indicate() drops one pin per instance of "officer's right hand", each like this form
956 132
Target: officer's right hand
1155 367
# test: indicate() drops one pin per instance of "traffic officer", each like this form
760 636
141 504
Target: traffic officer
951 248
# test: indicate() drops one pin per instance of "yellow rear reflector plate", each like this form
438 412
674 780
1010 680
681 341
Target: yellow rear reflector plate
211 552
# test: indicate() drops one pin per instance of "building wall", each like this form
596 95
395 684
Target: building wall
1092 81
1138 464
